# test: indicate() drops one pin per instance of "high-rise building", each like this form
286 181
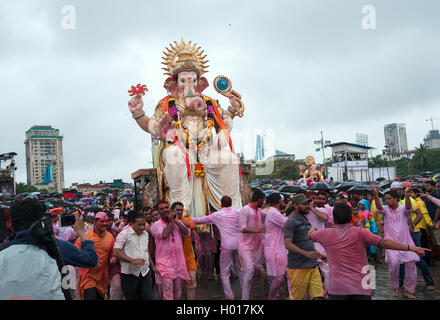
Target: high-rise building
44 158
259 153
362 139
395 137
432 140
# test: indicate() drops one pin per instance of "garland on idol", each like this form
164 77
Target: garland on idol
189 144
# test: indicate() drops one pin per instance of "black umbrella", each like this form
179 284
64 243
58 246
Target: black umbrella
359 189
125 195
292 189
65 203
344 186
385 184
319 186
93 208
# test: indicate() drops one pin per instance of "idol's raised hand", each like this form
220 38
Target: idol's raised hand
233 99
135 104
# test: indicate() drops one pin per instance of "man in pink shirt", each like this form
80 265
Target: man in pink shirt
318 218
345 246
170 260
396 218
226 221
275 251
250 245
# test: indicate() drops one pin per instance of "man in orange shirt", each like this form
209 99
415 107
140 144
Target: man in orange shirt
188 251
93 282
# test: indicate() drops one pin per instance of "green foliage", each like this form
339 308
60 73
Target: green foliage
284 169
21 187
424 159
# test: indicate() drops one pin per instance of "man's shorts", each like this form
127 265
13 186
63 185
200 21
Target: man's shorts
191 284
303 281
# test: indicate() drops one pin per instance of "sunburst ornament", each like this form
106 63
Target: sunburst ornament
184 57
223 85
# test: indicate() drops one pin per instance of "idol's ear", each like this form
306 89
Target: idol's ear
202 84
171 86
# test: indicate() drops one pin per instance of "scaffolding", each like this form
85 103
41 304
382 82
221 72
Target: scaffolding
352 159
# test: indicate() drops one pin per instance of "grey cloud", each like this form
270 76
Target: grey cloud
301 66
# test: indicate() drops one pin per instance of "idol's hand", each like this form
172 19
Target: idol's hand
135 104
234 100
164 126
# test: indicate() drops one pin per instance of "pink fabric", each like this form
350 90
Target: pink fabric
226 221
250 219
101 215
227 257
275 285
410 280
250 246
170 260
115 287
321 225
56 231
208 242
275 251
366 214
208 245
70 235
171 289
396 228
346 254
330 222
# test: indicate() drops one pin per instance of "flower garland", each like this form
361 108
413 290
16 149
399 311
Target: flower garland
208 124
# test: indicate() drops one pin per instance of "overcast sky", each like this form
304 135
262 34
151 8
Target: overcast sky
301 67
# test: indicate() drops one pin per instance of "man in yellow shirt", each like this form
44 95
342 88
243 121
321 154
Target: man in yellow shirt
188 252
376 216
420 220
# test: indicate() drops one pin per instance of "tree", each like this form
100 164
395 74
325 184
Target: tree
21 187
421 157
378 162
283 169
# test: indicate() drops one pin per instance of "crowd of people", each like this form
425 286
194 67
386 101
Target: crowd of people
315 244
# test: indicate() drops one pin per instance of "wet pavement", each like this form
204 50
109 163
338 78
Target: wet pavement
213 290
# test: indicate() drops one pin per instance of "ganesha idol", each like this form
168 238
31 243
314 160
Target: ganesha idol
196 167
311 174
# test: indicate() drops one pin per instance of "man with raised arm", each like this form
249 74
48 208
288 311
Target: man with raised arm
226 221
395 217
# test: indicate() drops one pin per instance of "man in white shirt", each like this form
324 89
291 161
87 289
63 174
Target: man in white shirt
131 248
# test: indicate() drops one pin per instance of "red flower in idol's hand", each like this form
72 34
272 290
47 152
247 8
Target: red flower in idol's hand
138 90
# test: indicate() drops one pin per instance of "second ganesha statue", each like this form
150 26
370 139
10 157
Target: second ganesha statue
311 173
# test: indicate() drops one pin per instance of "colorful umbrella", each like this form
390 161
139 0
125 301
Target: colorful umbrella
87 200
55 211
406 184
